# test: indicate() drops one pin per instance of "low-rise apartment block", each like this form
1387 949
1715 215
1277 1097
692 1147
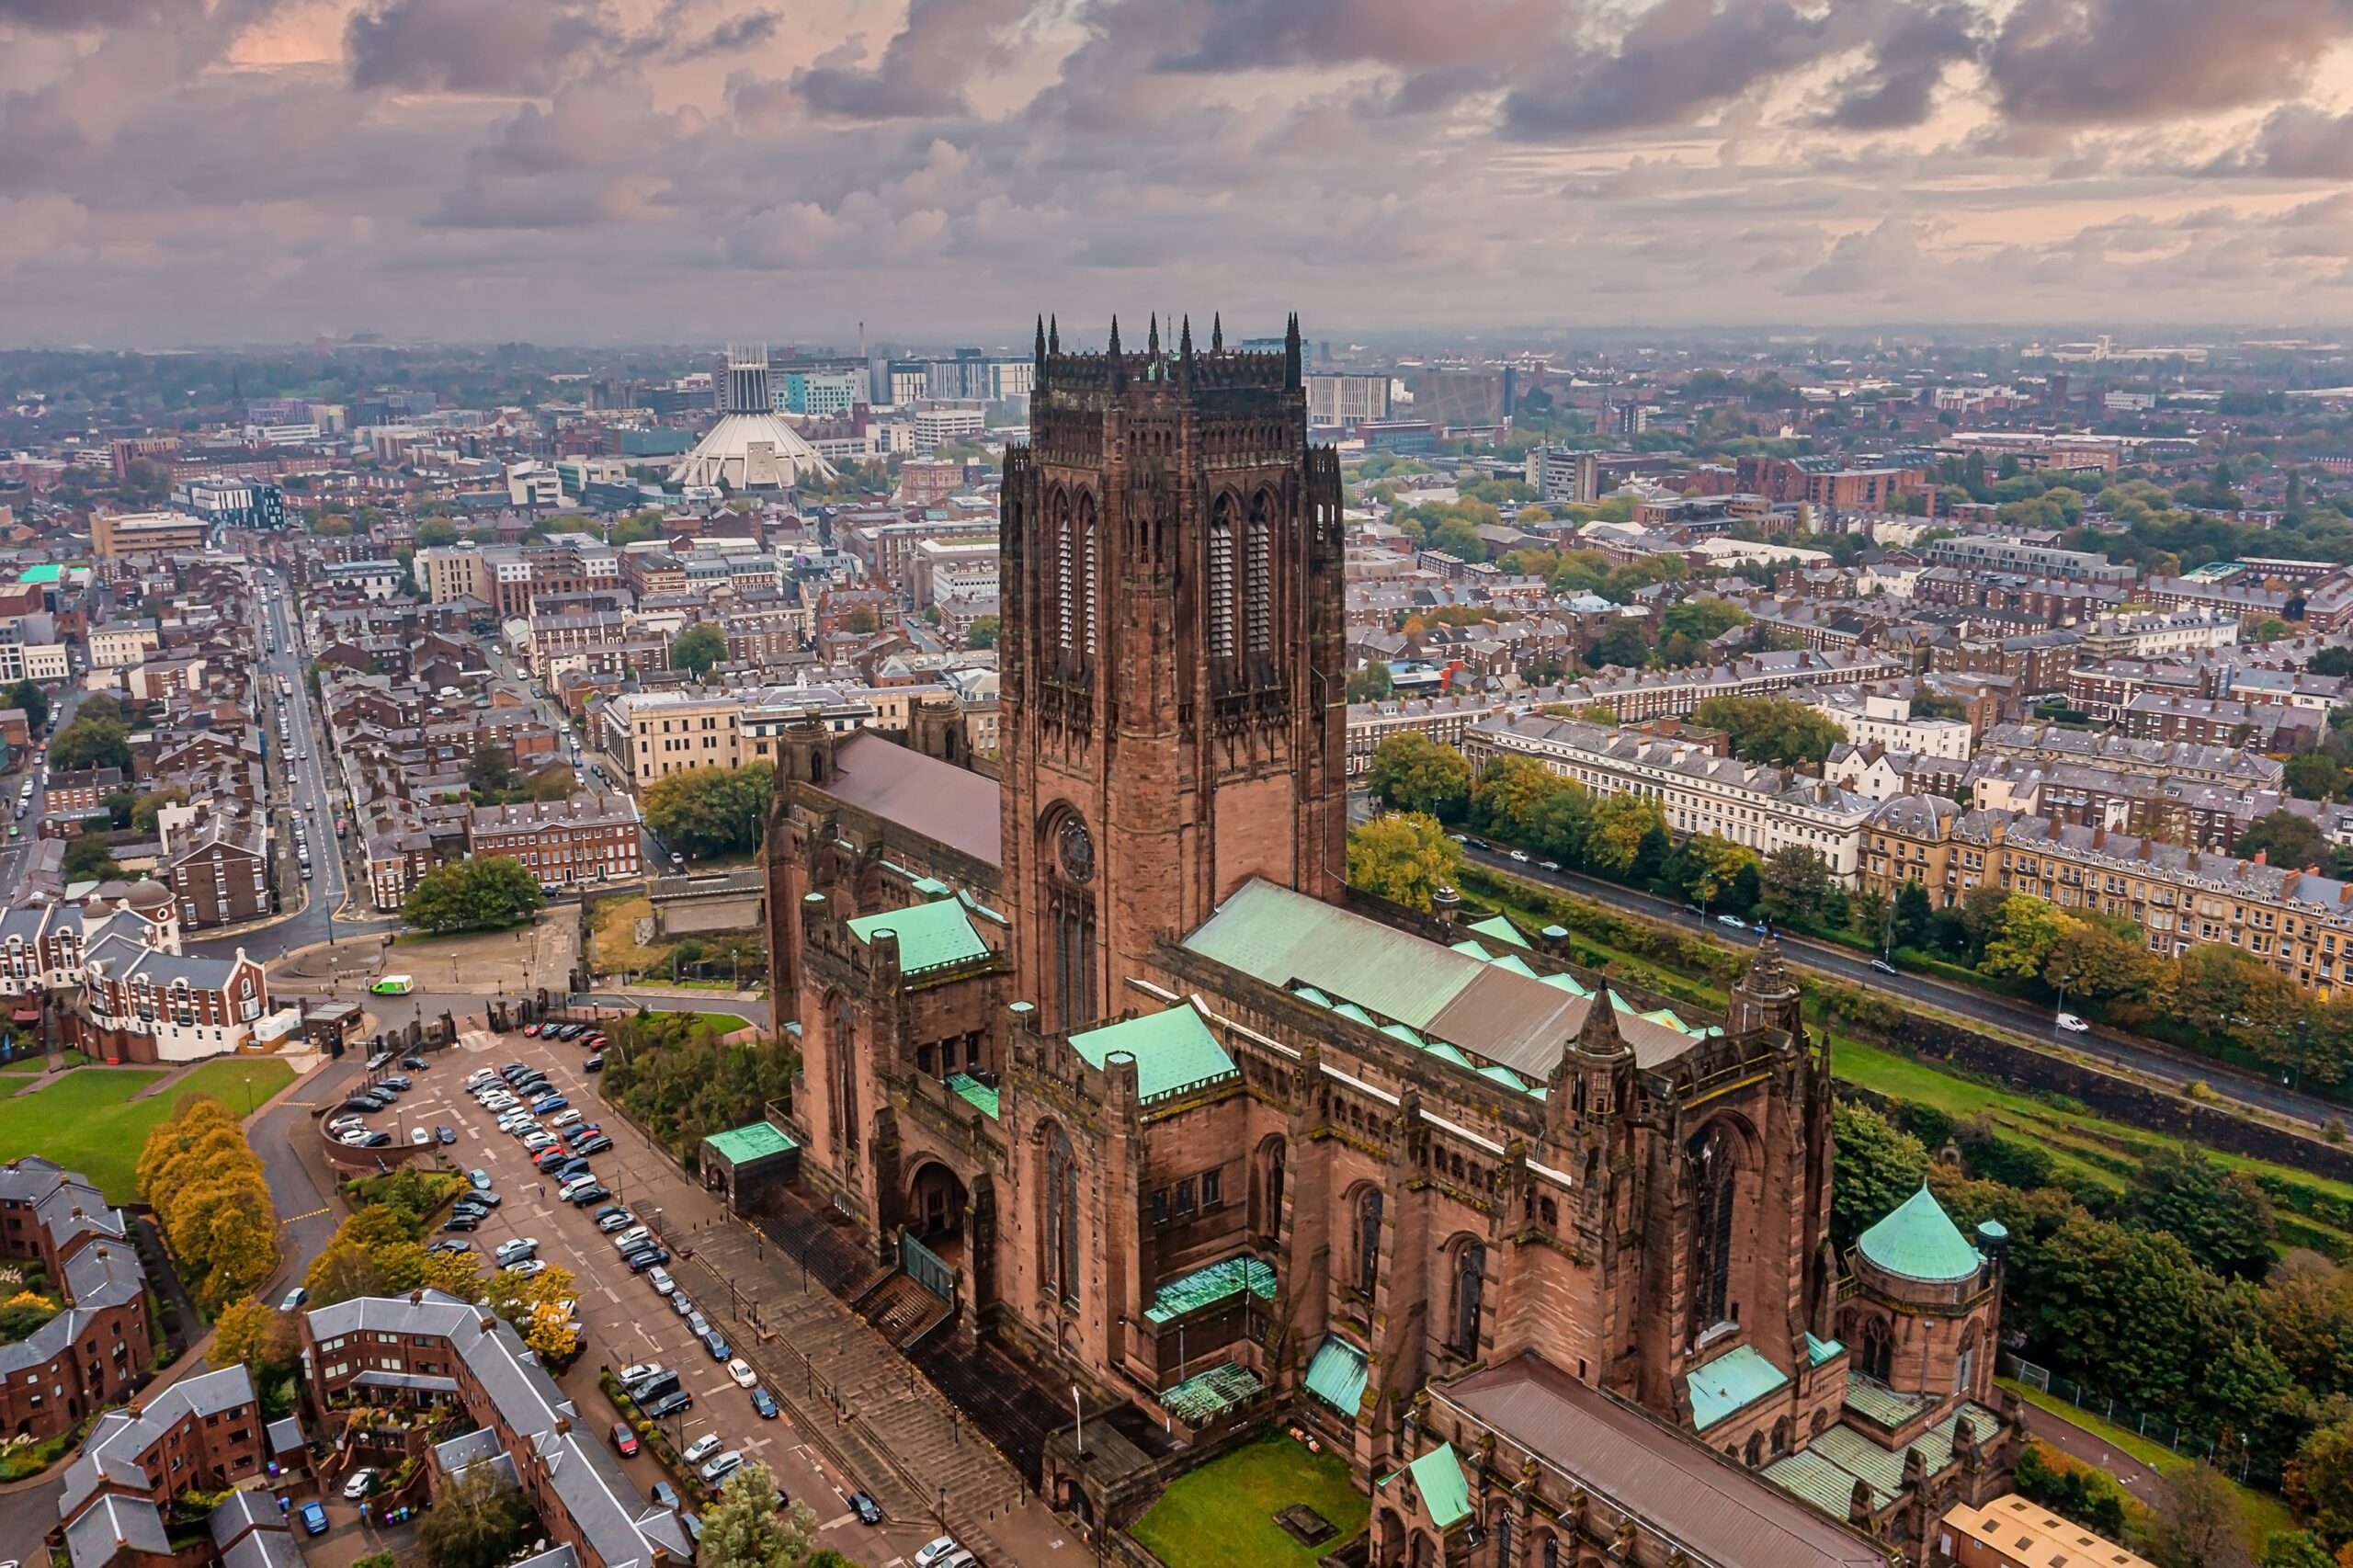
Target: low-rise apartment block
566 844
96 1351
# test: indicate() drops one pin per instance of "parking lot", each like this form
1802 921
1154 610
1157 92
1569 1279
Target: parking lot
626 1320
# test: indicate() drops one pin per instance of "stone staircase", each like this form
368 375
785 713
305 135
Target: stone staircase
903 1311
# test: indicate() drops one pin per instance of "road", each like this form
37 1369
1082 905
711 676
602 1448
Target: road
589 769
2103 1044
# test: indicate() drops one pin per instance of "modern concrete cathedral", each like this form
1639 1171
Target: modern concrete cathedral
1100 1051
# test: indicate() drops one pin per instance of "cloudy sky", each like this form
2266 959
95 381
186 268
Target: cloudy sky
179 171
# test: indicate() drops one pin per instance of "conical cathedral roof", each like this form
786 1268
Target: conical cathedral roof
1920 1242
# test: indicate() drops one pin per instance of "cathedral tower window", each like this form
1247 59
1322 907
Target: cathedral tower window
1058 1244
1258 590
1469 1288
1714 1178
1092 592
1369 1240
1220 594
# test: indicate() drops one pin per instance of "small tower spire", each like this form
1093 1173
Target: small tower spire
1041 343
1152 344
1217 332
1053 334
1185 337
1115 337
1291 354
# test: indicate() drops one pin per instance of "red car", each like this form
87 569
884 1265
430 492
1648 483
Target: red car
530 1029
624 1441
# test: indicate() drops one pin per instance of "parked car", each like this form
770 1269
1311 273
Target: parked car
630 1237
624 1441
363 1481
665 1494
595 1063
294 1298
446 1133
546 1102
595 1145
614 1219
740 1371
1734 921
716 1343
682 1304
420 1136
869 1511
464 1219
516 1250
376 1141
932 1551
720 1469
450 1243
645 1258
529 1268
669 1405
764 1402
414 1062
702 1447
314 1515
661 1282
638 1372
595 1192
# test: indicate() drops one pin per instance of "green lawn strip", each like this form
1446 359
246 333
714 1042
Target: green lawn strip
89 1121
1222 1516
2264 1512
723 1023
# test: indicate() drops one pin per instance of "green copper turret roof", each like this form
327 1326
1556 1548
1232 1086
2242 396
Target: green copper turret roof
1920 1241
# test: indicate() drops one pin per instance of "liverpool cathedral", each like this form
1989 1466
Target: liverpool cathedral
1100 1050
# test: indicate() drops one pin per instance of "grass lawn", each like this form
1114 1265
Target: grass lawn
1222 1516
87 1120
724 1023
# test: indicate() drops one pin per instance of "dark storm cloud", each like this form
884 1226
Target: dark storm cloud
469 46
1679 61
80 16
2303 142
1898 90
924 67
2134 62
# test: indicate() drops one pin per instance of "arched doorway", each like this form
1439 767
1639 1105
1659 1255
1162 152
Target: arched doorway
935 1201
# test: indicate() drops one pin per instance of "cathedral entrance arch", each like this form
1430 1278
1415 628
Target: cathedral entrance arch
935 1201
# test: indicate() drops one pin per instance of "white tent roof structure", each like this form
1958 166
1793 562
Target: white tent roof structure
751 451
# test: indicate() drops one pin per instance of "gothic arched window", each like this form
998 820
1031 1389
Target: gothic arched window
1066 566
1714 1172
1369 1240
1058 1250
1964 1366
1469 1288
1218 604
1070 918
1879 1350
1258 585
1502 1540
844 1076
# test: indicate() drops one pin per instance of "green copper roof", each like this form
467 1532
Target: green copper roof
1920 1241
1470 950
1731 1383
758 1141
48 573
1174 1051
1515 963
1336 1374
1207 1396
1820 1350
975 1092
1876 1403
931 936
1445 1491
1501 928
1207 1286
1820 1483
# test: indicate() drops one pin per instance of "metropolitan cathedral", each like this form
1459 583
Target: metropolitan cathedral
1102 1053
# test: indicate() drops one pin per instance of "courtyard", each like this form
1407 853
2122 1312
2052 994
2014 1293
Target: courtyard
1223 1514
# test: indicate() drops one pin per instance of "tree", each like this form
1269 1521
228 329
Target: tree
1913 915
1771 729
1625 641
1794 881
469 895
862 621
2238 995
91 741
2029 928
1371 684
254 1334
436 533
2198 1523
476 1522
1620 824
2220 1215
1878 1167
89 859
144 810
29 696
1710 864
2287 838
490 771
1411 772
1700 620
2335 660
343 1270
1510 795
1405 857
2073 1491
2293 1549
983 632
711 811
744 1529
2320 1482
211 1200
698 647
2103 958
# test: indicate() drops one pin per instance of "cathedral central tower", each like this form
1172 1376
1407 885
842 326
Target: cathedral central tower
1172 659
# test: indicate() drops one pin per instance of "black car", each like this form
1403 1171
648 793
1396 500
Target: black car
414 1062
397 1084
464 1219
446 1133
595 1063
668 1405
865 1507
645 1258
377 1140
595 1145
595 1193
365 1102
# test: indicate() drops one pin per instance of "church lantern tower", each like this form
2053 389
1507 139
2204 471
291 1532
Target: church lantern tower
1172 660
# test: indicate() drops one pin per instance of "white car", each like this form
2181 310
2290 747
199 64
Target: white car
529 1268
2073 1023
516 1250
631 1237
362 1482
702 1447
420 1136
659 1277
932 1551
564 1118
740 1371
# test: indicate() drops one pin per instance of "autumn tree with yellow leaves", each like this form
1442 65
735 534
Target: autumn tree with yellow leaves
206 1185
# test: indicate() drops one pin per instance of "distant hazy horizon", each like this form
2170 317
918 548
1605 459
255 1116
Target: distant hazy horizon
648 172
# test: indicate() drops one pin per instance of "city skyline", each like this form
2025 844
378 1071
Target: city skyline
651 170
